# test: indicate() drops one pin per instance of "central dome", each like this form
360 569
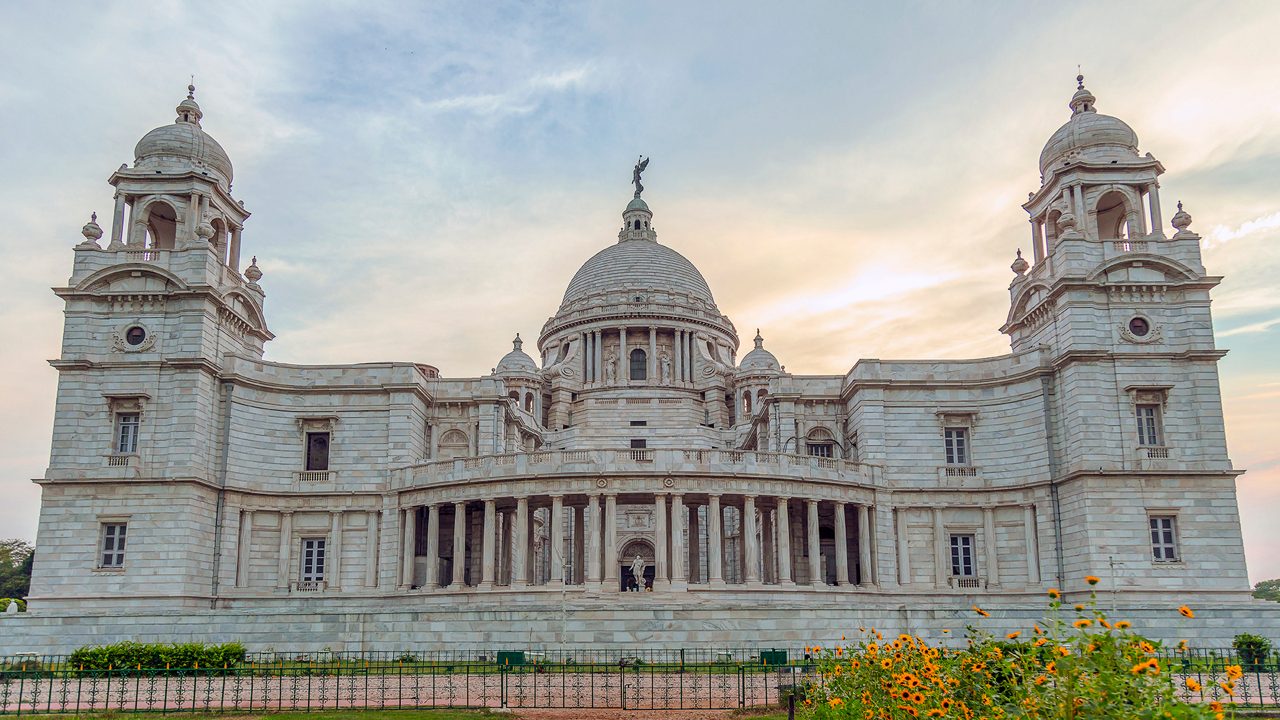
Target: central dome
183 144
637 265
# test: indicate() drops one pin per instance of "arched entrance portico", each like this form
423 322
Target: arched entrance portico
627 556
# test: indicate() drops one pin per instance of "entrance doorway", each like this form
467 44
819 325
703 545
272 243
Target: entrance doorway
627 580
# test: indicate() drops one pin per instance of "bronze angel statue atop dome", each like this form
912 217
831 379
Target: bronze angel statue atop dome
641 163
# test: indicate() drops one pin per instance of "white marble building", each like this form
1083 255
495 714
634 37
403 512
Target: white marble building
196 490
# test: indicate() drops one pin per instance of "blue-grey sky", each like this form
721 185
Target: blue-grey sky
425 177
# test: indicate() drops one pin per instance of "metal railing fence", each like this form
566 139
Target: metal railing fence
640 679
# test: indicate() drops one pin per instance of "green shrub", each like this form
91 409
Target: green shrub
5 602
1253 649
157 655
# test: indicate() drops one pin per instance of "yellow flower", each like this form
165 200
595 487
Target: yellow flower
1079 607
1091 579
946 631
909 710
1123 625
1062 651
1051 668
1053 593
1037 629
1139 668
1234 672
1186 612
835 702
1013 635
1103 622
981 612
1182 646
1147 647
1040 680
936 712
1228 687
839 651
1193 685
917 698
1082 623
1040 641
886 663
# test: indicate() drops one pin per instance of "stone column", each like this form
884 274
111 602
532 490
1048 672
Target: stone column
816 576
594 541
1037 240
679 580
579 537
586 353
1033 551
1153 198
555 552
233 257
432 580
371 549
767 550
488 545
335 552
520 554
459 545
117 222
784 542
904 547
842 546
694 565
678 356
750 545
624 369
715 538
940 549
653 355
611 543
243 544
1081 223
660 577
286 545
407 536
989 540
866 568
598 344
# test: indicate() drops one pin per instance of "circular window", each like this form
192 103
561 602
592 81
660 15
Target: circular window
135 335
1139 327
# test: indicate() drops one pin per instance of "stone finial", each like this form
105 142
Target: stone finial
189 110
91 231
253 273
1083 100
1019 265
517 344
1181 221
759 339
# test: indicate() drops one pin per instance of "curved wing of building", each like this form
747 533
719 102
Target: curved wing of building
633 468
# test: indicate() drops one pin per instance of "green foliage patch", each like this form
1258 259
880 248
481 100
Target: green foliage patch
153 656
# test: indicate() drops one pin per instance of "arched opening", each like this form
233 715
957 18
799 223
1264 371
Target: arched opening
1050 233
820 443
746 403
219 239
514 395
761 394
627 560
639 365
1112 213
637 225
162 226
528 402
453 444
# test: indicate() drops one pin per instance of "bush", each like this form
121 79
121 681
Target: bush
1253 649
5 602
154 656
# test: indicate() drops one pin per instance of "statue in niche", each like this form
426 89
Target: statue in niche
610 368
637 573
665 360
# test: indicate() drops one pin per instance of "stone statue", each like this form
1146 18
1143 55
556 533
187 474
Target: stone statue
641 163
610 368
637 571
665 359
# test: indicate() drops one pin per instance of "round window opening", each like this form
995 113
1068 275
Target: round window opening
1139 327
135 335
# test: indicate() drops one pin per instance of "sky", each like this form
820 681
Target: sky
424 178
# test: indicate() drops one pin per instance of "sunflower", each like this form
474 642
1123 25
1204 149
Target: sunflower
1124 625
981 612
1234 672
1091 579
1054 593
1014 635
1193 685
1082 623
1186 612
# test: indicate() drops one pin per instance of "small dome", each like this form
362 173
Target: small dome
183 144
1104 137
638 204
759 358
517 360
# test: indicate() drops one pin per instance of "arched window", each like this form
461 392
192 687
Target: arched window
746 403
454 444
639 365
528 402
1050 232
1112 213
761 394
637 224
162 226
820 443
514 395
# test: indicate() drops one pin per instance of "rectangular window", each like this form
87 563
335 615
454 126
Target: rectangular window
957 443
113 535
127 432
825 450
962 555
1149 425
312 560
317 451
639 423
639 444
1164 538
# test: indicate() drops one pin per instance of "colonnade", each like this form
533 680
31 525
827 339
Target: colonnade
709 540
678 367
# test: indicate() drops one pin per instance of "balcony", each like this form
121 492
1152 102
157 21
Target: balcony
960 476
306 476
967 582
640 461
309 586
1156 457
122 460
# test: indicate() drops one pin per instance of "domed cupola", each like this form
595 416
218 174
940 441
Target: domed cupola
184 145
759 360
517 361
1089 136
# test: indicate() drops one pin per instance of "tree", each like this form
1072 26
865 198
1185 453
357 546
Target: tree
15 567
1267 590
